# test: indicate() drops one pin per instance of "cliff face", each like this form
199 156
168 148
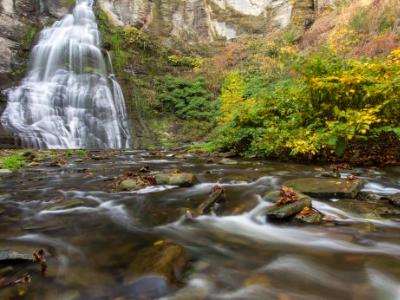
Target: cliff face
19 22
207 20
188 20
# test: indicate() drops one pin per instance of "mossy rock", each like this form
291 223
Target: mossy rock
179 179
131 184
326 187
163 258
287 210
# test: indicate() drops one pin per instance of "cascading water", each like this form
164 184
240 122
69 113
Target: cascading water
67 99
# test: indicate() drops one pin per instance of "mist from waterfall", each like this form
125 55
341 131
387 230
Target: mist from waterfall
69 98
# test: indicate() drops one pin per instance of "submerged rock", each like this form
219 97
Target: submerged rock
65 205
326 187
163 258
148 287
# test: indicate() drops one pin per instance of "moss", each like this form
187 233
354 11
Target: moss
13 162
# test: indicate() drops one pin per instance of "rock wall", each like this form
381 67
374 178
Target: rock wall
208 20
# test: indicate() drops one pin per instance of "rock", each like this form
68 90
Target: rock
368 196
326 187
65 205
131 184
4 172
393 199
287 210
310 216
163 258
332 174
213 203
9 257
183 179
272 196
228 161
148 287
180 179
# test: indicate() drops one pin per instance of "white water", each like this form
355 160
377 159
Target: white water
68 99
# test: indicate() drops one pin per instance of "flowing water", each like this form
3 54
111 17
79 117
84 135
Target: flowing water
240 255
69 98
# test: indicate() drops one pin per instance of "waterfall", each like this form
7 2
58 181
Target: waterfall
69 97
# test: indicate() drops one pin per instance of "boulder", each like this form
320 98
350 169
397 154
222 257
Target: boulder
180 179
131 184
163 258
326 187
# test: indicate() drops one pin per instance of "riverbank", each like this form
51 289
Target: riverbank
216 237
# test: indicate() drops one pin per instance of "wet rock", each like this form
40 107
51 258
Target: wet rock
273 196
148 287
213 203
333 174
368 196
183 179
4 172
326 187
10 257
65 205
163 258
393 199
309 215
131 184
180 179
257 279
279 211
228 161
80 276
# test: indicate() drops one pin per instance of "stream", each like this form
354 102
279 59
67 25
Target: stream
94 243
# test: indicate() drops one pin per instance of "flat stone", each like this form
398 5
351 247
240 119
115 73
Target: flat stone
326 187
287 210
163 258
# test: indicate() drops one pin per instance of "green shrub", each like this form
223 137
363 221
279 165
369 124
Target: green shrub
187 98
314 102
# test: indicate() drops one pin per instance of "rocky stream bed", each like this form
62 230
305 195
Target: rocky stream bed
144 225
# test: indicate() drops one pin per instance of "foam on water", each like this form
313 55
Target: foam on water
68 98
